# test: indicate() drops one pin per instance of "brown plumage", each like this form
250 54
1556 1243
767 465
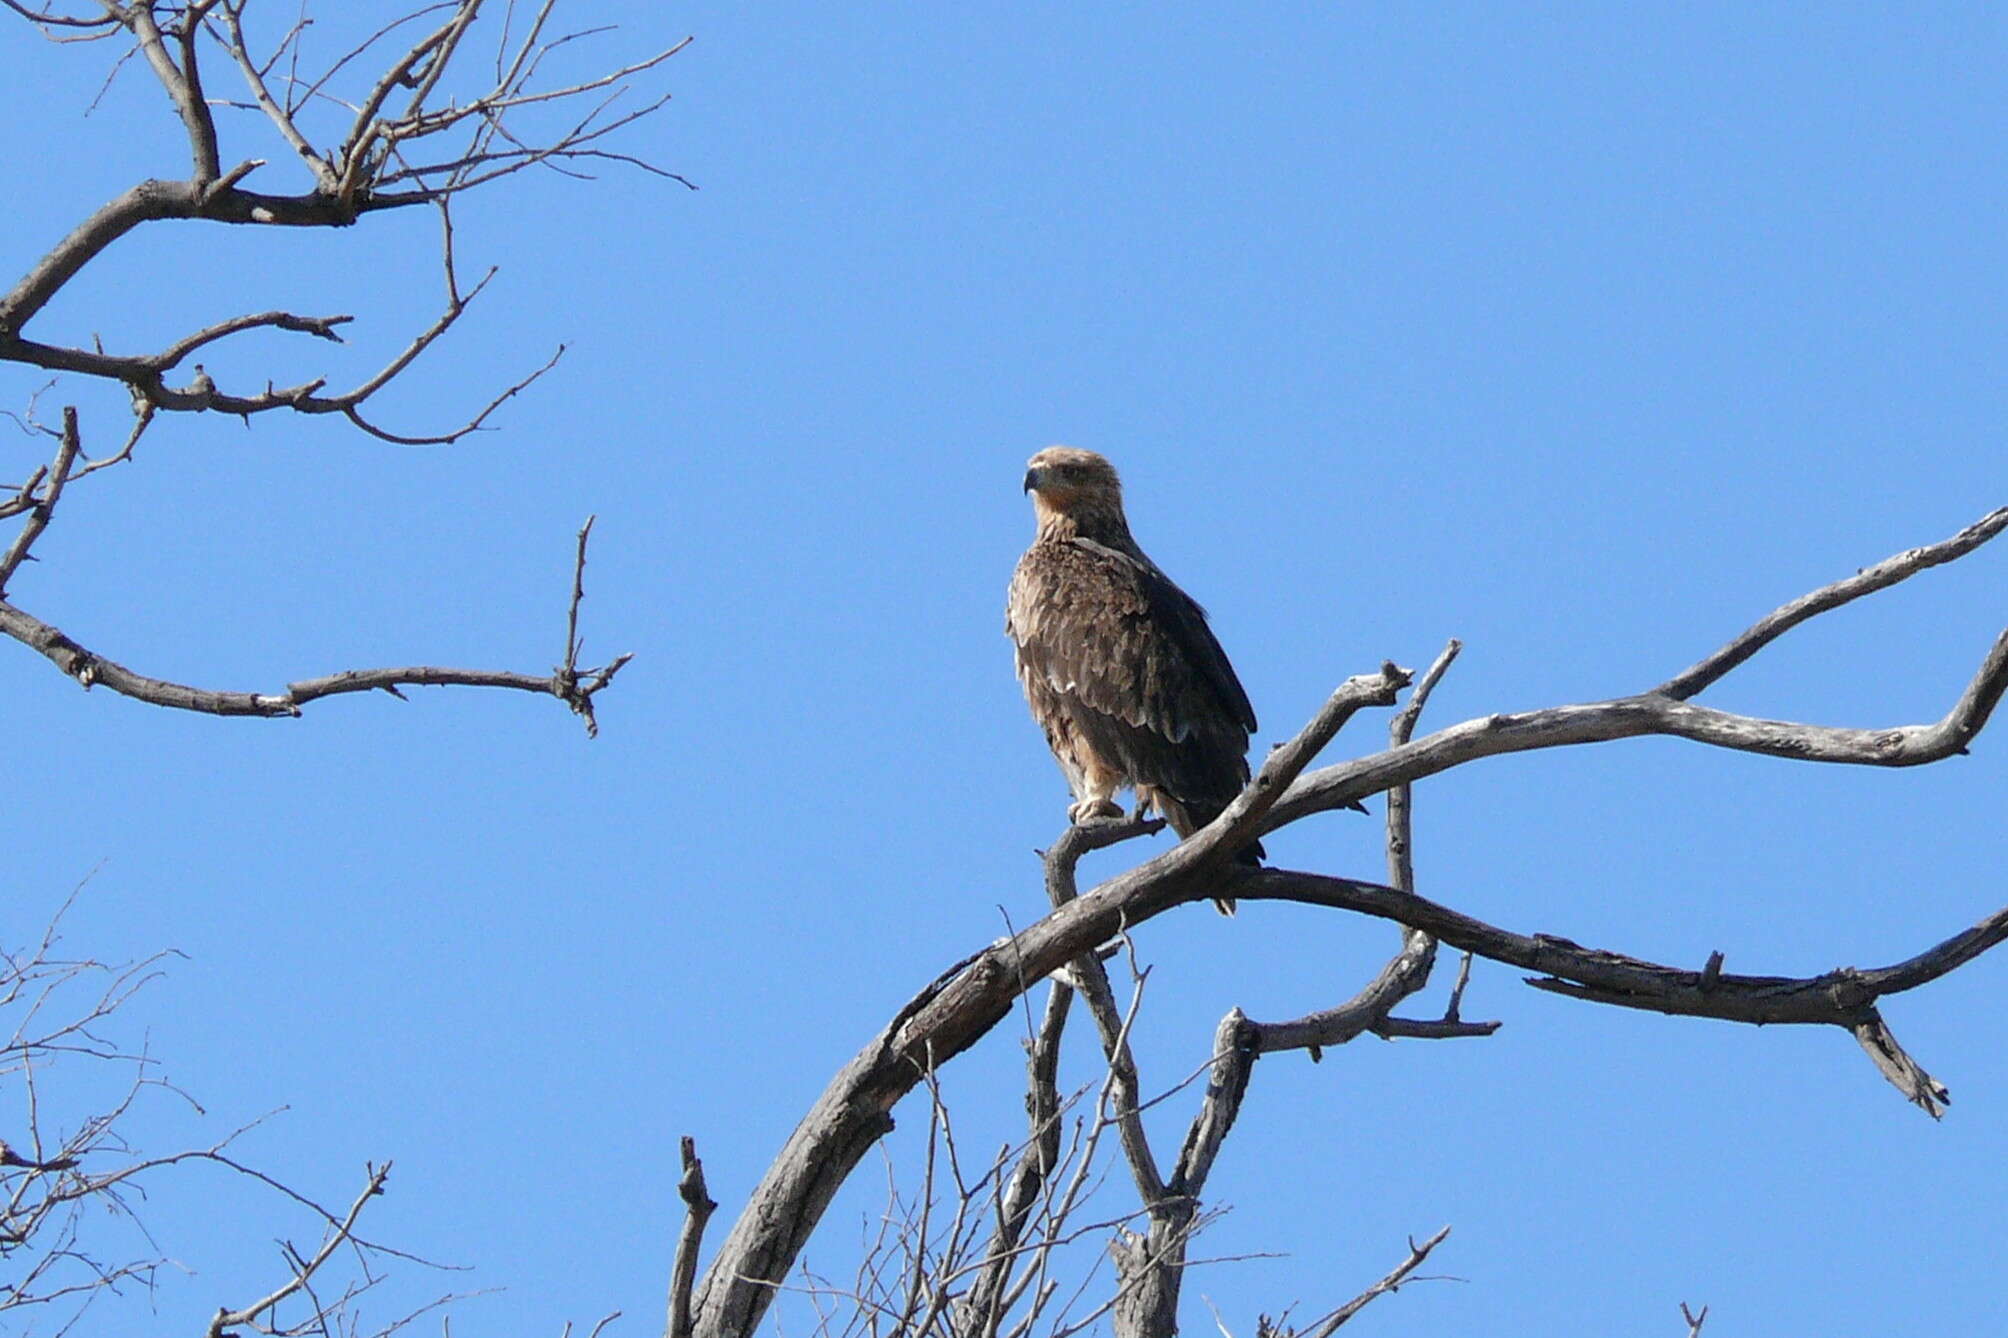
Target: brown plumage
1118 664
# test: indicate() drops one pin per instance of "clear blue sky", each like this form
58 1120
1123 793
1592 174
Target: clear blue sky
1581 333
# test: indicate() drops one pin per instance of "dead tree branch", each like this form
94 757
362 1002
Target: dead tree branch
304 1270
43 507
1775 624
963 1004
368 173
698 1208
1151 1265
1656 712
982 1308
1844 997
432 97
59 1014
1326 1326
568 683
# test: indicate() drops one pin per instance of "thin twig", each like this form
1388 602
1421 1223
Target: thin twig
39 515
1396 1276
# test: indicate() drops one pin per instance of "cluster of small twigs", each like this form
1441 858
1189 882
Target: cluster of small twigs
68 1157
931 1263
1017 1244
403 116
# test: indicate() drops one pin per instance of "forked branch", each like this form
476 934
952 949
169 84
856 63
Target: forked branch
256 1313
966 1002
371 171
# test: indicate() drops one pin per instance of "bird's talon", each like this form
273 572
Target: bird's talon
1093 810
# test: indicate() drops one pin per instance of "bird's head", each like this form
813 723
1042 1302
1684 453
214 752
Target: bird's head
1067 482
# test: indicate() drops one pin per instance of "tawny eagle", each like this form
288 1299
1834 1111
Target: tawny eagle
1118 664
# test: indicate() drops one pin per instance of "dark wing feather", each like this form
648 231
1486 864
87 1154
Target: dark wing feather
1183 628
1107 638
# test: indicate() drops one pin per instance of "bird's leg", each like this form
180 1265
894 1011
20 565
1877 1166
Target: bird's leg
1093 808
1094 795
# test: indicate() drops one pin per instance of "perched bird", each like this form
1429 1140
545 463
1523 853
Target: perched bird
1118 664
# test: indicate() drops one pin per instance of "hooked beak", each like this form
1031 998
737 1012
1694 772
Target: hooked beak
1031 479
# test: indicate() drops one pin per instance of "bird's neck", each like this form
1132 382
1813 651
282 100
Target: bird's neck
1102 525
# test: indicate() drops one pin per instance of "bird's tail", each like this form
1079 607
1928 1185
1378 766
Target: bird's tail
1250 855
1187 818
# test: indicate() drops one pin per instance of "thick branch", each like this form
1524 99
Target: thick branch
1234 1052
1835 997
154 200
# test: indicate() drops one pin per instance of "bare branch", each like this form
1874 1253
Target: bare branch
1661 712
355 182
1243 818
1124 1088
233 15
473 424
1399 1274
1400 860
183 83
38 516
154 200
698 1207
1650 714
1843 997
965 1003
321 327
1233 1064
91 669
49 19
355 148
1408 971
1775 624
982 1307
251 1314
142 418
